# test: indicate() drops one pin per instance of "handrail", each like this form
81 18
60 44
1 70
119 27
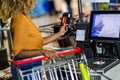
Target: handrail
38 58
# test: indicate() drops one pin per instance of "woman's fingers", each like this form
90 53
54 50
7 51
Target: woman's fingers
51 54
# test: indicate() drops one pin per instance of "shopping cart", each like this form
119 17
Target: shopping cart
60 70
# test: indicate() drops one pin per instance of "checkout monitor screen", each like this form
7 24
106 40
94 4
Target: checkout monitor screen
104 25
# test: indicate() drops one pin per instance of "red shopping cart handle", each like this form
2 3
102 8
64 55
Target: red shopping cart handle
38 58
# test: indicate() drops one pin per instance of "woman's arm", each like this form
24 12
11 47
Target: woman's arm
62 31
37 52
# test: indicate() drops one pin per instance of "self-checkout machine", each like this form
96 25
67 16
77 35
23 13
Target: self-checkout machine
104 38
104 49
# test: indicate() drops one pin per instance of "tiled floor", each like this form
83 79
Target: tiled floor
46 19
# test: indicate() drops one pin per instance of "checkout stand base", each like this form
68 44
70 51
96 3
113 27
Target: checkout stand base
100 66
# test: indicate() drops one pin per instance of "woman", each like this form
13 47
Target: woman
27 40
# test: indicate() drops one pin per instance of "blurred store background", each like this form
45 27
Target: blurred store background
50 11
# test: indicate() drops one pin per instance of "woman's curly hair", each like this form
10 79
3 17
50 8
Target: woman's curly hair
9 8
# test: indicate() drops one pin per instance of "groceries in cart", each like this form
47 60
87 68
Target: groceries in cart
72 69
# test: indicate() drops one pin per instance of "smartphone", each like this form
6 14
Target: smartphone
66 17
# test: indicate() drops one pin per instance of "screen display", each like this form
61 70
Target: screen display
105 25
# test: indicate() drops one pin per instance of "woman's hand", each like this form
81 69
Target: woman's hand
50 54
61 32
63 29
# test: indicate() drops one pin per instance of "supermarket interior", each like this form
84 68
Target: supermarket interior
88 48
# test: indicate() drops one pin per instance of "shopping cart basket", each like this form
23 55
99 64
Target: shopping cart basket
60 70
